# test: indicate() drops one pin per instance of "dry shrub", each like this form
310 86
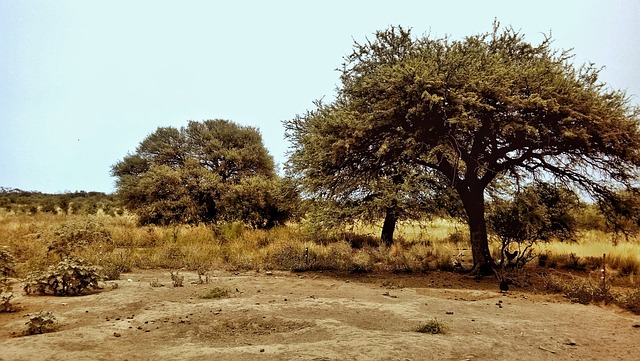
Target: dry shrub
75 234
215 293
432 326
630 300
361 262
627 264
298 256
580 290
41 322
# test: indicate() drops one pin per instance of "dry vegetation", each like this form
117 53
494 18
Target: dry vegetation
117 244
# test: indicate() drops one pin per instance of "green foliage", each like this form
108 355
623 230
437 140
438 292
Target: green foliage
539 212
208 172
622 212
41 322
70 277
467 113
432 326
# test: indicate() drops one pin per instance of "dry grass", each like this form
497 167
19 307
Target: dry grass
420 247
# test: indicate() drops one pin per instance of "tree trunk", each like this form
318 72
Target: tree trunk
389 226
473 201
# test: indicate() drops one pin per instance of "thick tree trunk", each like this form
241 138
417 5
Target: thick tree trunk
389 226
473 202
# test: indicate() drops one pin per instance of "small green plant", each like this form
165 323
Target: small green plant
432 326
41 322
177 279
216 292
69 277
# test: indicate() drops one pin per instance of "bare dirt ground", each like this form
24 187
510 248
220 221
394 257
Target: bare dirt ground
318 316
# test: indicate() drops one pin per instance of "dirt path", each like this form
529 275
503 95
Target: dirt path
287 316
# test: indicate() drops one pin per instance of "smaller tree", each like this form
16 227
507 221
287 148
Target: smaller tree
540 212
206 172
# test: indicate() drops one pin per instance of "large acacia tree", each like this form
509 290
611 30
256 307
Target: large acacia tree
490 106
208 171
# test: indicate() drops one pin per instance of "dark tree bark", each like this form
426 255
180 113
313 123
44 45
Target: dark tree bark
389 226
474 205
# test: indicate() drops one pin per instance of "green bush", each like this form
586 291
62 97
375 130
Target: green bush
69 277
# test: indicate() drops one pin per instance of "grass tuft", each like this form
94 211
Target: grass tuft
432 326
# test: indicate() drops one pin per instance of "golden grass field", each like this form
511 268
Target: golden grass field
118 243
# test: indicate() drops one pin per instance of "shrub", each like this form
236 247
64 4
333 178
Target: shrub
580 290
7 269
432 326
177 279
69 277
7 264
630 301
216 292
115 263
73 235
5 300
41 322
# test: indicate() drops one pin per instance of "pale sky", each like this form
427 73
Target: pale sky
83 82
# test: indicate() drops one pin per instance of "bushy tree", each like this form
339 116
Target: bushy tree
473 110
195 173
538 212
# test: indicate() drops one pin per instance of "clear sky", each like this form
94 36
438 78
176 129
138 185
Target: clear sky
83 82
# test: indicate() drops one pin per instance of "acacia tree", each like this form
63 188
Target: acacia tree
485 107
207 171
341 192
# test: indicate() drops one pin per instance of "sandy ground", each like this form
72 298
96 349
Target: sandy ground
318 316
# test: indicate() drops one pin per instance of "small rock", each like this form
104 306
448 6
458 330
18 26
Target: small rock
129 280
570 342
268 273
116 334
449 312
636 325
261 350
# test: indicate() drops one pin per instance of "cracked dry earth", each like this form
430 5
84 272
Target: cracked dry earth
318 316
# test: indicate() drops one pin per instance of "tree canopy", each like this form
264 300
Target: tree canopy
470 111
208 171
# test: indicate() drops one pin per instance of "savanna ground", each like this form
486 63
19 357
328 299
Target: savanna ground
346 299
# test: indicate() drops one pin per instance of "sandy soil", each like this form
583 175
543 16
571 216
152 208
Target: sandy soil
318 316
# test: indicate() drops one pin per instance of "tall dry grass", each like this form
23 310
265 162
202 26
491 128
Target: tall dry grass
420 247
